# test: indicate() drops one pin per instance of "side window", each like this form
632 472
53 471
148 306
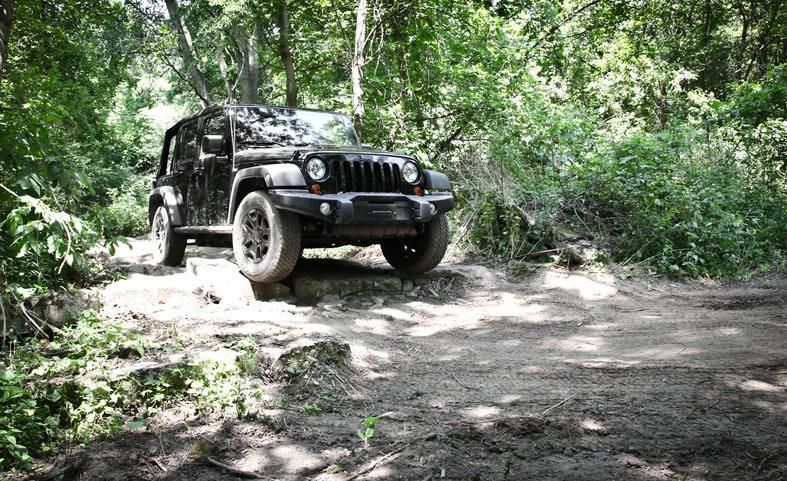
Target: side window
188 142
171 156
215 126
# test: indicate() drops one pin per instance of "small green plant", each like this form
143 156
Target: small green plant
312 409
370 427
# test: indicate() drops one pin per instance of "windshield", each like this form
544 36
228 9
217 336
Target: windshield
263 127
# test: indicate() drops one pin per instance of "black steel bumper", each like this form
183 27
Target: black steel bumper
364 208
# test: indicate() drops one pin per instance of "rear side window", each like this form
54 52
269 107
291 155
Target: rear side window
188 141
170 156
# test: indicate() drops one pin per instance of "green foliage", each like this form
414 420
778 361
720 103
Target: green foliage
370 427
666 200
69 388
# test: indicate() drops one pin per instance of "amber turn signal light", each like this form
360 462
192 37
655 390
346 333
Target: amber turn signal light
315 189
418 191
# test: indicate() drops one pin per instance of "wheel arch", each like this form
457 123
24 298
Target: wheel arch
263 177
170 198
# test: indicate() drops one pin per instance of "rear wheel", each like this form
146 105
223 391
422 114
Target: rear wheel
168 246
266 241
414 255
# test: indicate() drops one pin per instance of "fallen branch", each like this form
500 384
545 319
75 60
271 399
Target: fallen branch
558 404
462 384
378 462
158 463
237 472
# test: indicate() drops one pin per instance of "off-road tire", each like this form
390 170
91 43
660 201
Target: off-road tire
266 241
415 255
168 246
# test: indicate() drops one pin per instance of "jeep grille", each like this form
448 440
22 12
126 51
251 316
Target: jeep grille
366 176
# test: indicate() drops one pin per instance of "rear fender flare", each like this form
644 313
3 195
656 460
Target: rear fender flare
170 198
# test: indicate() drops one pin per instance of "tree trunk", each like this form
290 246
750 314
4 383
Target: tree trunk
222 61
187 53
6 18
286 54
250 76
358 62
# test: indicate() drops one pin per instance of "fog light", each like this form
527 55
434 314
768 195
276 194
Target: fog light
325 208
432 209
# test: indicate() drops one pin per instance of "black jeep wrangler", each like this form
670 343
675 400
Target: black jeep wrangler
272 181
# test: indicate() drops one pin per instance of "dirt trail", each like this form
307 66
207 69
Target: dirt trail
564 375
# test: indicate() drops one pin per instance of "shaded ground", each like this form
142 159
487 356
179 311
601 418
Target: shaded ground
561 376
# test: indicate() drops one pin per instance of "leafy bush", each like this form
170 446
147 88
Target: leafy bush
126 210
62 389
666 200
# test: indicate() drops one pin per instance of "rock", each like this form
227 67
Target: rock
580 253
312 356
267 292
55 308
319 278
564 233
407 285
223 282
64 306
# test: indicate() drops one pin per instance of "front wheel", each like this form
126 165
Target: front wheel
168 246
266 241
414 255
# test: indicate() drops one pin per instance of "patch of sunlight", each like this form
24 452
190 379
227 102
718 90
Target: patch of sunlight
587 288
512 305
510 398
752 385
663 351
577 343
481 412
531 369
771 406
374 326
381 472
592 425
730 331
366 358
605 363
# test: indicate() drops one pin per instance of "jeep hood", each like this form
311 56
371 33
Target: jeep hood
292 153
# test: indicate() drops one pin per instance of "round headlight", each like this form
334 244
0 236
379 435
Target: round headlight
316 169
410 172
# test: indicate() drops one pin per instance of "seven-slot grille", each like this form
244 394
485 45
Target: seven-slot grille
365 176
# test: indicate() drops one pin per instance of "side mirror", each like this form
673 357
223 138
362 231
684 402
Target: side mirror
212 144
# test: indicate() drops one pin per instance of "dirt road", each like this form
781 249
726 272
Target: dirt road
564 375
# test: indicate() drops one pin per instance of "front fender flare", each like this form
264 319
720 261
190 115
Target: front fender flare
277 176
436 180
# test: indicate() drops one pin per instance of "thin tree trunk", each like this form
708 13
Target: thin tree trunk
358 62
250 78
6 18
187 52
222 61
286 54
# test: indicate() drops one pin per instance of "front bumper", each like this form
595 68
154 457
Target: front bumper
364 208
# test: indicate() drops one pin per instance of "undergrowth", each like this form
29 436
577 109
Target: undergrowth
72 388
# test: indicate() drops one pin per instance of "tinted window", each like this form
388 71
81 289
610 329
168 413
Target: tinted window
261 127
171 156
188 141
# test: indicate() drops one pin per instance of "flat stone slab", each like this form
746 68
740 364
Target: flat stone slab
221 280
316 278
312 279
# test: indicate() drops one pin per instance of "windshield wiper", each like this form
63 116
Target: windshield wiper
263 143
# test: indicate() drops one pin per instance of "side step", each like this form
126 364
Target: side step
204 229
